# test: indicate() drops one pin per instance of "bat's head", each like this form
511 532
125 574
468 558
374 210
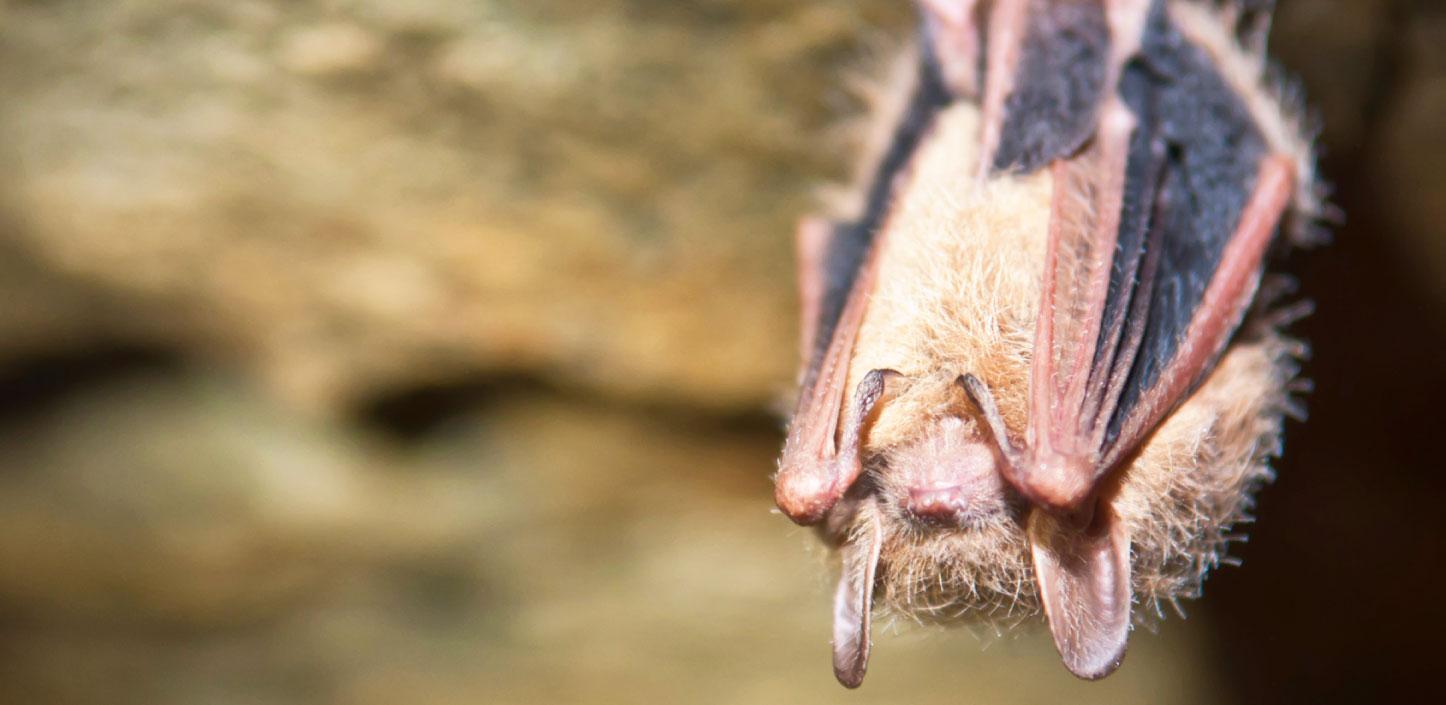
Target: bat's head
931 530
928 460
950 529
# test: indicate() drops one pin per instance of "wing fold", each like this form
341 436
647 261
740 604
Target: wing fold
1161 219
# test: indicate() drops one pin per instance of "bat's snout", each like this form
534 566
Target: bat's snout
951 476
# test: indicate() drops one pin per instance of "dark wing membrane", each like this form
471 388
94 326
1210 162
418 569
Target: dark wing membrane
1213 155
1122 323
1056 85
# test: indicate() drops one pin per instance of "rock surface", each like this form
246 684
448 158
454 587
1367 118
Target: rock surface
347 197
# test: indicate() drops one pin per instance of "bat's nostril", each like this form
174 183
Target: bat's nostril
942 505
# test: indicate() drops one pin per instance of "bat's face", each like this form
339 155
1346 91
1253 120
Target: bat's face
947 479
952 531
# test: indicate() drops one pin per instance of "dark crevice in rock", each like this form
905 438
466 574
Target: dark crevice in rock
36 383
413 413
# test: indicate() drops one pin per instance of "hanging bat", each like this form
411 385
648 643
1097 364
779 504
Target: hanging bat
1039 368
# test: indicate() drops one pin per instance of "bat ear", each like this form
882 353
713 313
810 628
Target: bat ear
1084 584
854 603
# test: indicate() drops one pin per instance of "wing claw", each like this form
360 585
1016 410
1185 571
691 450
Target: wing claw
808 487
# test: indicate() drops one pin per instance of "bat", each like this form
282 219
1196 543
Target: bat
1043 366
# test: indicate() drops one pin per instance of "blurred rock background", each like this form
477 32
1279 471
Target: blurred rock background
365 351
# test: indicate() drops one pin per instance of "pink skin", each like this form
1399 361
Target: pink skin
949 477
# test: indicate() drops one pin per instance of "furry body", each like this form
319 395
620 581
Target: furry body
1073 201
